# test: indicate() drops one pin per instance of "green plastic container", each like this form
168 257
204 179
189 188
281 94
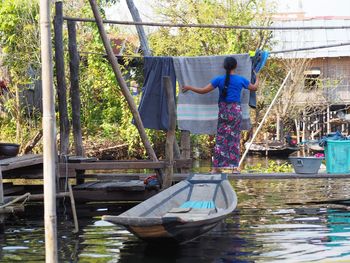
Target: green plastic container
337 153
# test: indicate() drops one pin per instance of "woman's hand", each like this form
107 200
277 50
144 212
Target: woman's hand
186 88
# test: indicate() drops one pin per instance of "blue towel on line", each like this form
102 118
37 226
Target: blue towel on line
153 106
258 62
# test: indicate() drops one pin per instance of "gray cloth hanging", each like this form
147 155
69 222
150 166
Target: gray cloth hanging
198 113
153 106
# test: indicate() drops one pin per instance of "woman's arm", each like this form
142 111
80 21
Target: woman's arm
203 90
254 86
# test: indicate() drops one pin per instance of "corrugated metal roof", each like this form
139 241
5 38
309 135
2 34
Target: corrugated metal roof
291 39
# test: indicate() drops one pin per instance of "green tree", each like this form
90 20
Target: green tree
19 40
211 41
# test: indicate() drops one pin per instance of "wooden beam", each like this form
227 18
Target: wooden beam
74 89
170 136
61 80
124 88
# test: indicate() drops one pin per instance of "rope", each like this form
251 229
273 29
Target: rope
206 25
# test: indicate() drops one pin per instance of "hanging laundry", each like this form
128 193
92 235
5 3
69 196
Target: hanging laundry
259 59
198 113
153 106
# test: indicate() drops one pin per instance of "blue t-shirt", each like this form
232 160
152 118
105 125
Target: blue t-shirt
234 87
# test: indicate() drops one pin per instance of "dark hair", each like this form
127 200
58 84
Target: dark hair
230 63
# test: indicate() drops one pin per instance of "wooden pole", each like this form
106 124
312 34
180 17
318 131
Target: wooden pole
185 147
49 135
121 82
264 118
170 135
1 189
61 80
74 90
140 31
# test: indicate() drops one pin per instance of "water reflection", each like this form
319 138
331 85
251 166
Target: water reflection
275 221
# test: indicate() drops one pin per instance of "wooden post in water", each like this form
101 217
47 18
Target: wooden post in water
74 89
61 80
49 134
185 148
170 135
124 88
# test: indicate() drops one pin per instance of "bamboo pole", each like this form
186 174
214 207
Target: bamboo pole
207 25
49 135
140 31
61 80
121 82
74 89
185 148
74 211
264 118
170 135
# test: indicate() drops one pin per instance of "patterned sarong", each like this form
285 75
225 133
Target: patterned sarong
226 151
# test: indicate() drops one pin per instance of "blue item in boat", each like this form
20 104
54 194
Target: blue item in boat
198 204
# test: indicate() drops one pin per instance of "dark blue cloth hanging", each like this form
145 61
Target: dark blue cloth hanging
153 106
258 62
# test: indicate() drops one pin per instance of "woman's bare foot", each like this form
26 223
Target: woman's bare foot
236 170
215 170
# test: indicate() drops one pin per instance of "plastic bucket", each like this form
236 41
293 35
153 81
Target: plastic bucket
306 165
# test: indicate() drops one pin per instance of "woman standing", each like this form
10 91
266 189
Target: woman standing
226 151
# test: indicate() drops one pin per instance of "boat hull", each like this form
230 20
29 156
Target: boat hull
174 232
167 217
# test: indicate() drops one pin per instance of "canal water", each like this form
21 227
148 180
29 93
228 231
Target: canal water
292 220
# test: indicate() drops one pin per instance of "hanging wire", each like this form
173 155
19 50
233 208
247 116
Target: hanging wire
206 25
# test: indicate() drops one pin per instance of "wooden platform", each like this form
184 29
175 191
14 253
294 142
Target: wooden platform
20 162
242 176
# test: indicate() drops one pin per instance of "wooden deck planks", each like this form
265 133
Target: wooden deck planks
136 164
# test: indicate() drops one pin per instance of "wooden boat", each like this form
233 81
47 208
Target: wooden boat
182 212
272 149
314 146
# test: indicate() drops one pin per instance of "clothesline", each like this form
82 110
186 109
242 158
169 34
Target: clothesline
207 25
272 52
